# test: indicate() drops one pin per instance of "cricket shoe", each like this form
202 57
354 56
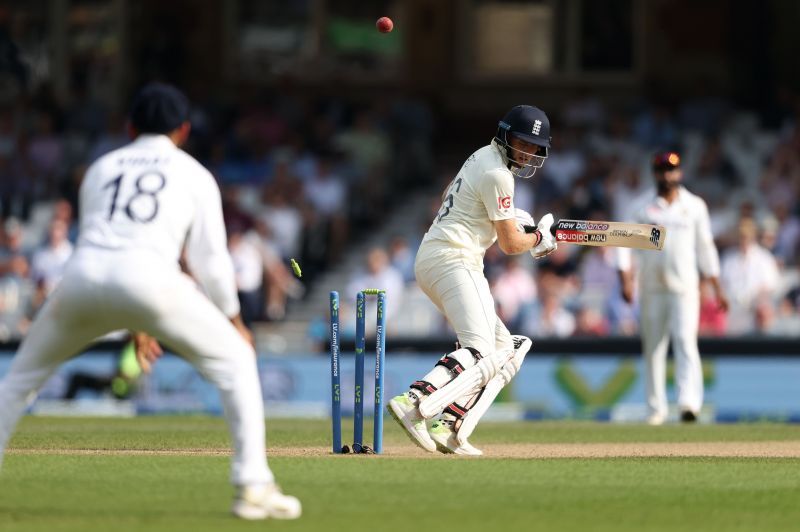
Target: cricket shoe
446 441
262 502
656 419
406 413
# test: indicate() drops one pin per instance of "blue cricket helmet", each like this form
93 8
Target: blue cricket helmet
529 124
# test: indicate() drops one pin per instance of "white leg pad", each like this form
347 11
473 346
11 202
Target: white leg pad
493 387
468 382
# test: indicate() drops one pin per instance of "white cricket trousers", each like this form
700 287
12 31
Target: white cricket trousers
104 291
674 316
456 285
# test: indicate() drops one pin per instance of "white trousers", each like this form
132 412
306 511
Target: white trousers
461 292
672 316
103 291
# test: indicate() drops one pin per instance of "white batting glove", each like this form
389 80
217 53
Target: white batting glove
523 219
548 243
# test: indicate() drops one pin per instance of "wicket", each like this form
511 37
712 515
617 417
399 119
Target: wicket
380 356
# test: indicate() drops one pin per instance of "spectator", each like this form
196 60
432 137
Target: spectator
326 192
47 264
786 246
600 294
12 244
551 317
17 299
624 187
281 213
514 290
280 284
786 321
62 211
590 322
366 148
566 162
750 276
249 271
365 144
379 273
402 257
713 319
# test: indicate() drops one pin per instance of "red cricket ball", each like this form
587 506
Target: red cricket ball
384 25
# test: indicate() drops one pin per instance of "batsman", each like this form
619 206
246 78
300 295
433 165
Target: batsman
477 210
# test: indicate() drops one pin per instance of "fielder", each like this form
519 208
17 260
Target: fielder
669 287
477 210
139 206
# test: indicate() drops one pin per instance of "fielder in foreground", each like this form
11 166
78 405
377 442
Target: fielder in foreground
139 205
670 289
477 210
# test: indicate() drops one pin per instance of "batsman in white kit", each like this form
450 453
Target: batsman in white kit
140 206
477 210
669 285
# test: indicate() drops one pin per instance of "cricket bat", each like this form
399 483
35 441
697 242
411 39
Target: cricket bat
618 234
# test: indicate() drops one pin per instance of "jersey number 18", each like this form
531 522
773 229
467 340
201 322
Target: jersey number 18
146 190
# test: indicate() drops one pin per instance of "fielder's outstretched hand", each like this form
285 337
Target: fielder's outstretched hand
147 350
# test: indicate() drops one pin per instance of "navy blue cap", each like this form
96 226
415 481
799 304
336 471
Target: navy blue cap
159 108
528 123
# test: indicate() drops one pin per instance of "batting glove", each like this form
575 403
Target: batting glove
547 242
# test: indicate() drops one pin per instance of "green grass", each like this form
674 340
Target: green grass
123 493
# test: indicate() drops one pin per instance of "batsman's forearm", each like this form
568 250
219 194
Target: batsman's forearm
714 280
520 243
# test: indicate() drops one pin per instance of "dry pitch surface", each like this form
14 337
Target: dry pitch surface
528 451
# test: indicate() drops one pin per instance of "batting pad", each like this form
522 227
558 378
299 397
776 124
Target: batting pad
468 382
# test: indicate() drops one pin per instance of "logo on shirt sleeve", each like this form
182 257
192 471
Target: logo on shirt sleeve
504 202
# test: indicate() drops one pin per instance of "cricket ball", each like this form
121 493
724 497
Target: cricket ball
384 24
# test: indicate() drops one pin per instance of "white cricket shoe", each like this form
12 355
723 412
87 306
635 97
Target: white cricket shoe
446 441
406 413
261 502
656 419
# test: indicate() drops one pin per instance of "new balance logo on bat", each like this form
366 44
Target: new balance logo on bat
582 226
578 236
655 236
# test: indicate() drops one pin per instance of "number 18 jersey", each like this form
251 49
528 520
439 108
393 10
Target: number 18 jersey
152 197
481 193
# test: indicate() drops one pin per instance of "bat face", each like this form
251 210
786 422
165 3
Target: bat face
618 234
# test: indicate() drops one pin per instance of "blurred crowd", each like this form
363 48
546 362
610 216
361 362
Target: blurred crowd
304 178
300 178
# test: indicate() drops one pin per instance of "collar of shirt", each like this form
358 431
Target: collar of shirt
664 204
153 140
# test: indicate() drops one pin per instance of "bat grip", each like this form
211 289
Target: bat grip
553 229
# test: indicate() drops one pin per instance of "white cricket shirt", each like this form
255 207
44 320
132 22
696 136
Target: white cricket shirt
481 193
151 196
689 245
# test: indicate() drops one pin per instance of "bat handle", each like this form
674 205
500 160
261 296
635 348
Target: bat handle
553 229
